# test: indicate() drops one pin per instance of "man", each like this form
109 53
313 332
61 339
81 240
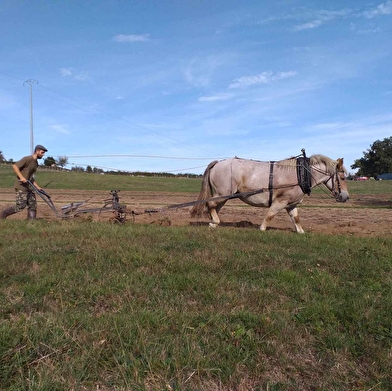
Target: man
24 170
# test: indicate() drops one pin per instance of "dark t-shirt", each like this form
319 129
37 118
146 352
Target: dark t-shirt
27 166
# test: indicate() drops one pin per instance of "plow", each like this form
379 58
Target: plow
75 209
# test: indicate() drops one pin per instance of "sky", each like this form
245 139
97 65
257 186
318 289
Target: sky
170 85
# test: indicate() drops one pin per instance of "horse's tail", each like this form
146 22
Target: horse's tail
201 209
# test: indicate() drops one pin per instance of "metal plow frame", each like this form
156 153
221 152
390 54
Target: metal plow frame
75 209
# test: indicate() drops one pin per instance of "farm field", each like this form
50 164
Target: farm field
165 303
363 215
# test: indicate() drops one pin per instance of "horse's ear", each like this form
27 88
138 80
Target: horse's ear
340 163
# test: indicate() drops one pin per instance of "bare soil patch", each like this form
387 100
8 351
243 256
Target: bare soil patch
362 215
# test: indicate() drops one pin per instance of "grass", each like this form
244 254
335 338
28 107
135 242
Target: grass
140 307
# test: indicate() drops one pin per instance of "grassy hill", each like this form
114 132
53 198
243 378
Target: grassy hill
88 181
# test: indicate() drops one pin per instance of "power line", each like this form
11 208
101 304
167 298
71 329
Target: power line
145 156
107 116
103 114
121 170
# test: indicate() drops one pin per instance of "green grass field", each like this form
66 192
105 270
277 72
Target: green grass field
99 306
85 181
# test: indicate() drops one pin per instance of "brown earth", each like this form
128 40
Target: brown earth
362 215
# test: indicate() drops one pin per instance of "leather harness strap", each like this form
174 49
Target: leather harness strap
271 182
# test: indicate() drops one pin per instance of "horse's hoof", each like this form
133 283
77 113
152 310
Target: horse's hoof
213 225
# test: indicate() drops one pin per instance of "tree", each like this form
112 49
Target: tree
376 160
62 161
77 169
2 159
49 161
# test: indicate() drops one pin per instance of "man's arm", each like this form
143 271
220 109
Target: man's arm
36 185
18 173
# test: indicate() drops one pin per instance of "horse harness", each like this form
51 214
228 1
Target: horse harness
304 176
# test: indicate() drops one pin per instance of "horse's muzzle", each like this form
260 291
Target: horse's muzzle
343 196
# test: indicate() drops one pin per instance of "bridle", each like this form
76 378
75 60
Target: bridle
336 177
340 176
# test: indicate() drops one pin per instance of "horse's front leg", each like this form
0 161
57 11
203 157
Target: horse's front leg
294 215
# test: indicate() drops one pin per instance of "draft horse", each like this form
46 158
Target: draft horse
275 185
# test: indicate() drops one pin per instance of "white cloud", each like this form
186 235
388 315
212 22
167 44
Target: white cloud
322 17
70 72
330 126
60 129
83 76
261 78
66 72
382 9
131 38
309 25
214 98
199 71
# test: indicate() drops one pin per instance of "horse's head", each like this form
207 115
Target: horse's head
337 184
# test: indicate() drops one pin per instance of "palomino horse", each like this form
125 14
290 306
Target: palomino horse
276 185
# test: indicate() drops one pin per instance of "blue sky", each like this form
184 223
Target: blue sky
171 85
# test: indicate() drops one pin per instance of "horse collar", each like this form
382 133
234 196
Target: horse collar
303 174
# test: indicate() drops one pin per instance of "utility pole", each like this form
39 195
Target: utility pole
30 82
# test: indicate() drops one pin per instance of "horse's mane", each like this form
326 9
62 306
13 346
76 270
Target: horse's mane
330 164
291 162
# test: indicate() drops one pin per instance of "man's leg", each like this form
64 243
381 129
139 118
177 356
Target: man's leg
7 212
21 202
31 206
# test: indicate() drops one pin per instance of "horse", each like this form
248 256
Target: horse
277 185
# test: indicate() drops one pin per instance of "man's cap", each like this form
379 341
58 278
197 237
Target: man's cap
41 147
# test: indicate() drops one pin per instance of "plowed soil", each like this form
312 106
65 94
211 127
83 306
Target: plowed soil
362 215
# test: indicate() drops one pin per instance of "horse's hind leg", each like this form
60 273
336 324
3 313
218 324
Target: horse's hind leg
294 216
273 210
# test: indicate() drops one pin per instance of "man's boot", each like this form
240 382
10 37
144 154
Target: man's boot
31 214
7 212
